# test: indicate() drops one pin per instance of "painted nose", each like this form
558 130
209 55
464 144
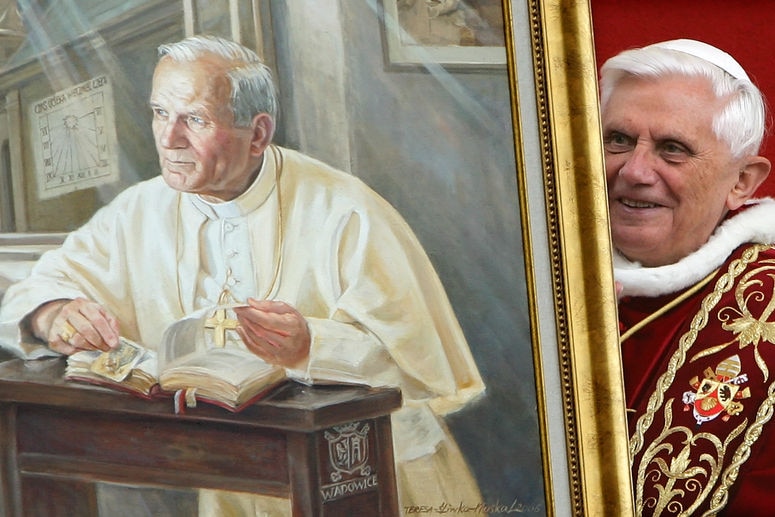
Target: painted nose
172 134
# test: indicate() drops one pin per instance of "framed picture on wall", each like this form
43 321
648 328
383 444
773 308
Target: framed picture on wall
448 32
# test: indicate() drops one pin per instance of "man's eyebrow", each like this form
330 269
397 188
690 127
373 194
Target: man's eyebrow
156 104
616 130
673 137
200 111
197 111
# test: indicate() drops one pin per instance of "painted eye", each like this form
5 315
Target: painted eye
196 123
160 114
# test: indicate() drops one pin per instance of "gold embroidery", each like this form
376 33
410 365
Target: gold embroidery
749 330
674 480
700 320
681 477
763 415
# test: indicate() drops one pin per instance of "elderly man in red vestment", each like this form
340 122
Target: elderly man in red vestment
682 127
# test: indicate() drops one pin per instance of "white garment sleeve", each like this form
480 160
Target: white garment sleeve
388 320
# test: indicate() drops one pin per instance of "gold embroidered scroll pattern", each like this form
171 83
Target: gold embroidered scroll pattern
724 284
681 481
748 329
763 415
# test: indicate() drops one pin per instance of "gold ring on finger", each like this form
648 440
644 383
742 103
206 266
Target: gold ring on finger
68 331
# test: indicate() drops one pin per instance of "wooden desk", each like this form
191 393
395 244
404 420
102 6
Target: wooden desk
328 449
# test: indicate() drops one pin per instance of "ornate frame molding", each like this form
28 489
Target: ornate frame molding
582 316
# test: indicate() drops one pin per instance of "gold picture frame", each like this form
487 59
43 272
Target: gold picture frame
529 116
582 315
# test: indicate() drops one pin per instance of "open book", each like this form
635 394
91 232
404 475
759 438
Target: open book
232 378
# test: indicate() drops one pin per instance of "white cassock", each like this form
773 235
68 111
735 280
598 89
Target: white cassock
322 242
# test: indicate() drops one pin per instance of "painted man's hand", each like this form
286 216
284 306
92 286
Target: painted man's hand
73 325
274 331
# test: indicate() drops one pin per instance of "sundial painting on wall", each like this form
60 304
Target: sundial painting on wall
74 138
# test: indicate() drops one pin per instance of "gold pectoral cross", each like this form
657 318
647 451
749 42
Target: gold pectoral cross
219 322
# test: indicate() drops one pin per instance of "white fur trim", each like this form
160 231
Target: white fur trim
755 224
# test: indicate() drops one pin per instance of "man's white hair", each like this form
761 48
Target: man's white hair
740 124
252 88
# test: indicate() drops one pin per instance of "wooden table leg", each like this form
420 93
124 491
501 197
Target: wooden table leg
303 473
346 470
22 494
387 468
10 490
58 497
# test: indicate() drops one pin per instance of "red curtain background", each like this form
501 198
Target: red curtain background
745 29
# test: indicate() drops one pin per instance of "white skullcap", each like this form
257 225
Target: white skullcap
708 53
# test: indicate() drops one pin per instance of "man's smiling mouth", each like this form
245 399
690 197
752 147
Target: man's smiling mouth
634 203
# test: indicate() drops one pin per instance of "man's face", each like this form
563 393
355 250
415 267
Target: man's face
199 149
669 176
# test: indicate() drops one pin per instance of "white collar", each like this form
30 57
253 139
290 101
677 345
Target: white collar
754 224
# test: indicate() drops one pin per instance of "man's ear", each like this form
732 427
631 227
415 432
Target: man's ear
263 131
755 170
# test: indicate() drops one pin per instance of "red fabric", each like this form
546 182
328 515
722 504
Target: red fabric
743 29
647 352
735 313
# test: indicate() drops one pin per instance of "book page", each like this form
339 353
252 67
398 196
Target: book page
232 365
